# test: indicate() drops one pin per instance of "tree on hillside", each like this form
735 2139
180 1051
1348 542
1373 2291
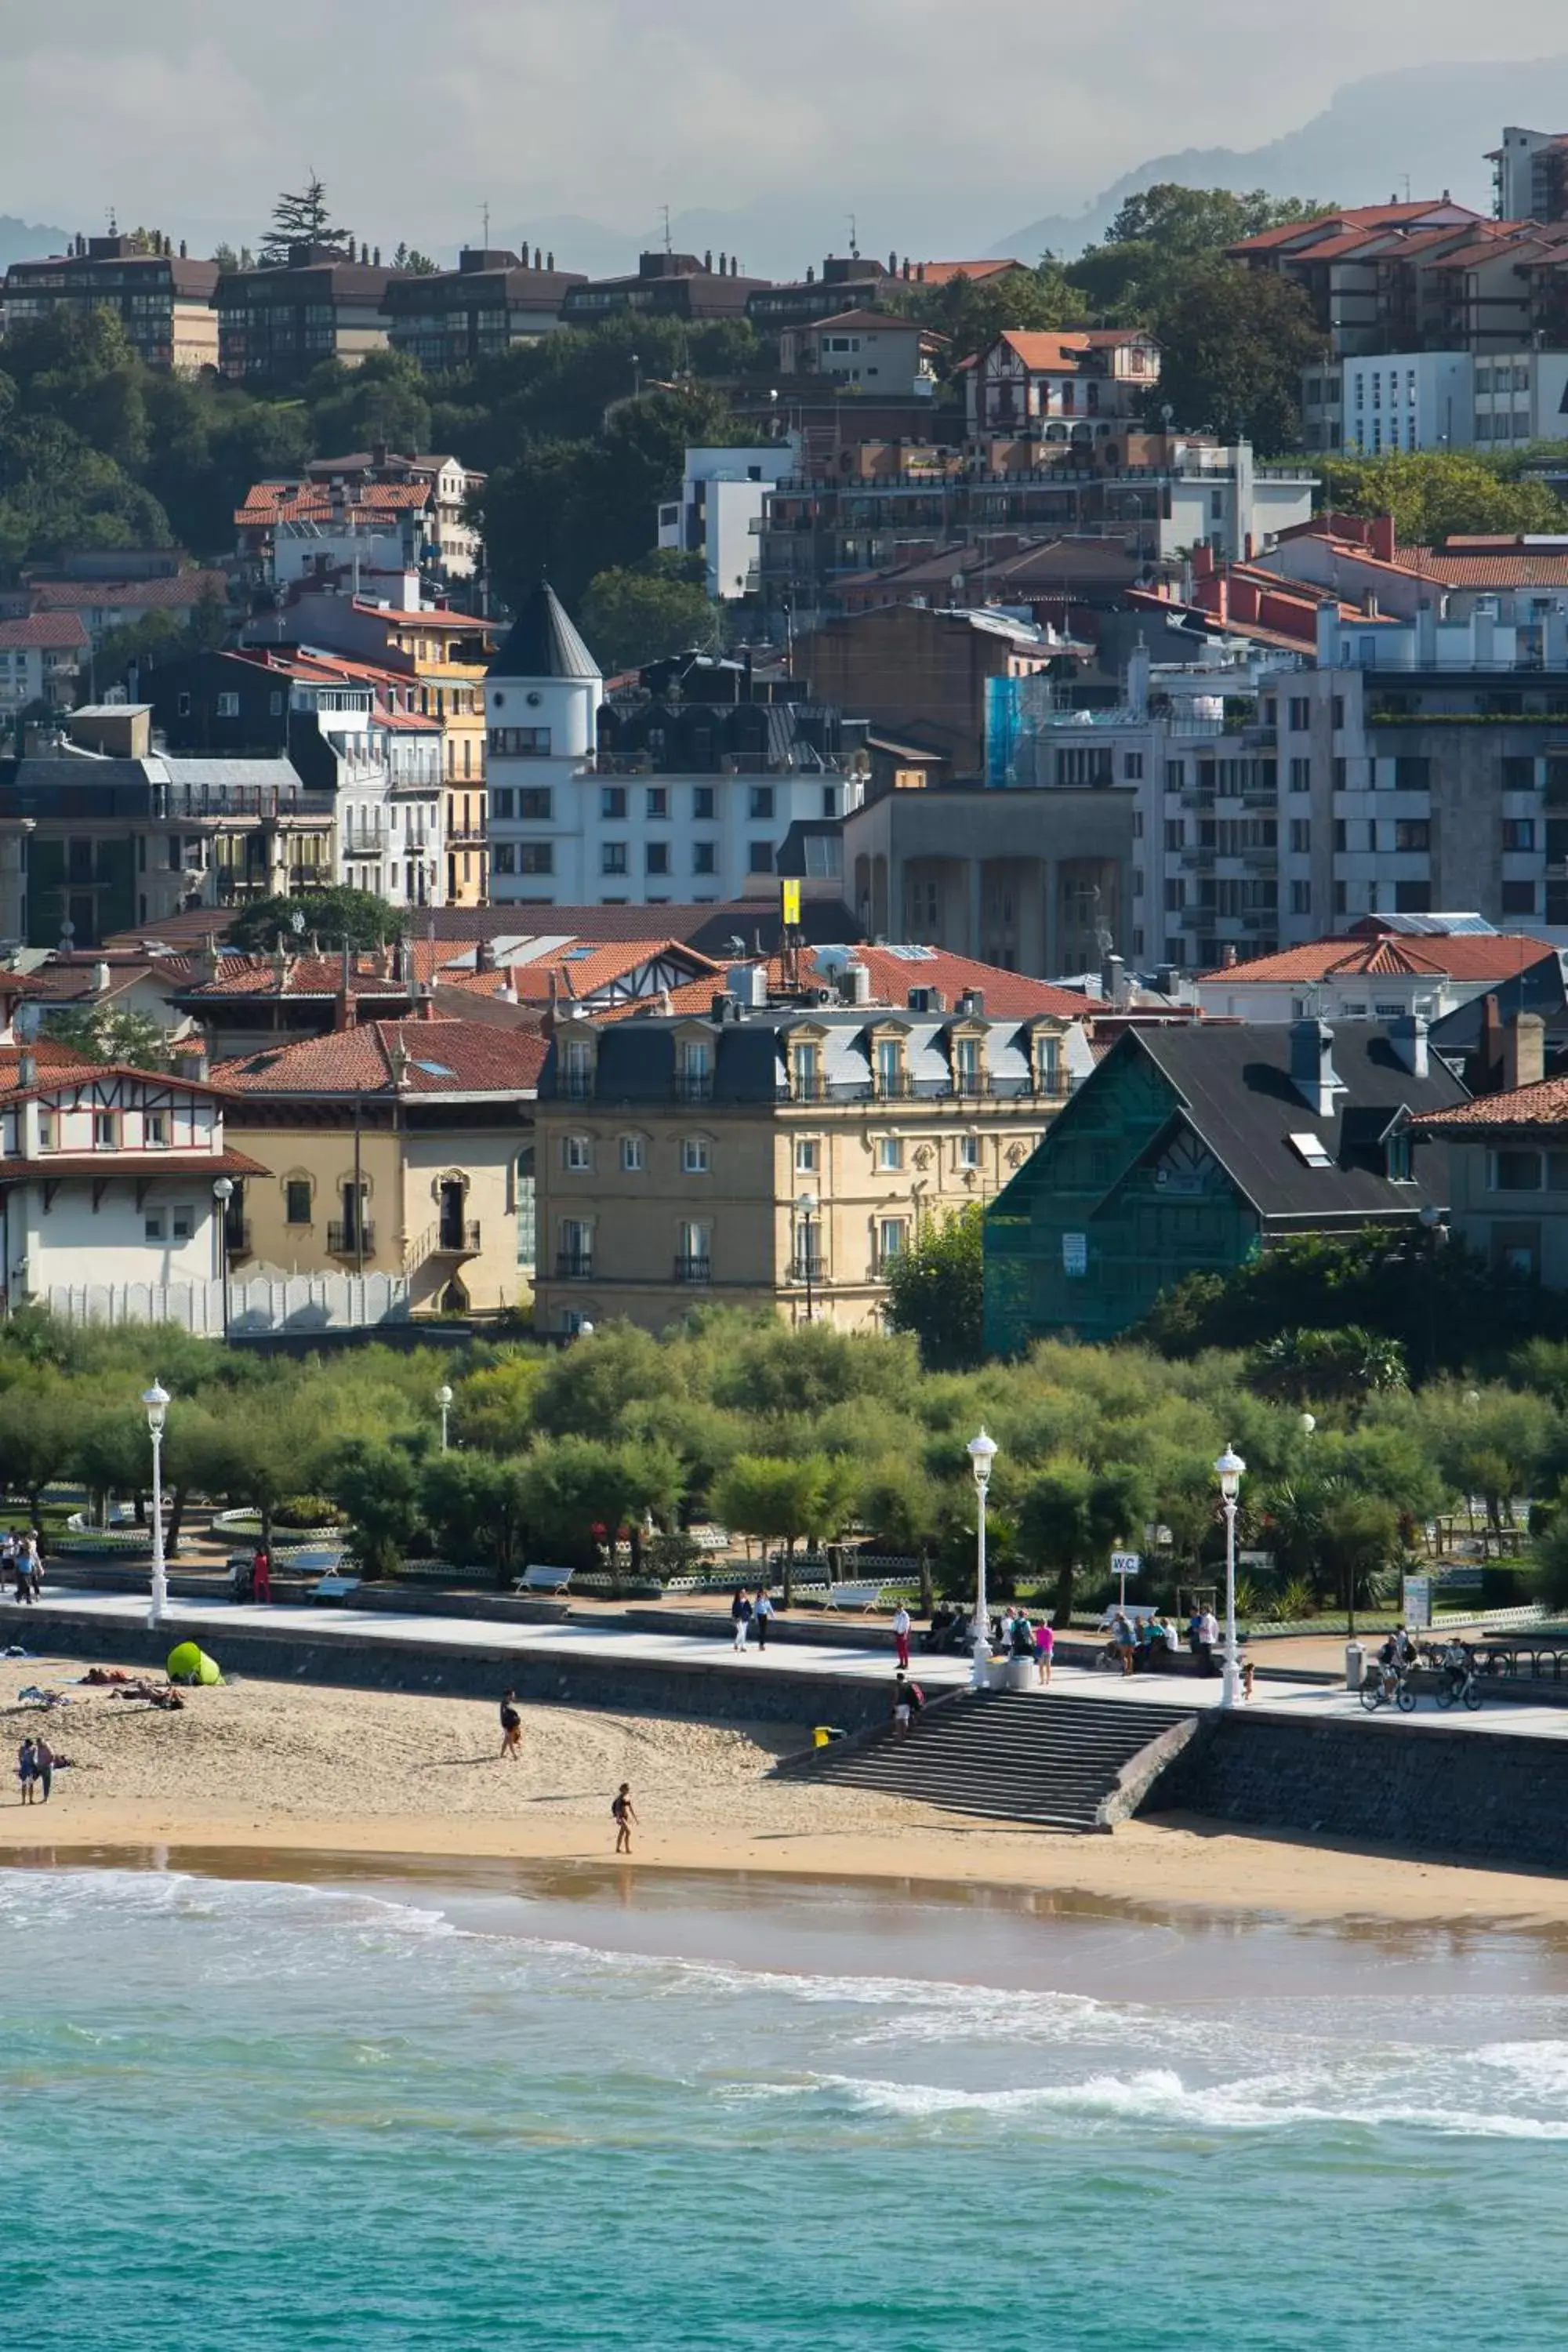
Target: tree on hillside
338 917
936 1290
1434 494
970 313
639 613
418 264
385 399
1160 231
1234 341
302 219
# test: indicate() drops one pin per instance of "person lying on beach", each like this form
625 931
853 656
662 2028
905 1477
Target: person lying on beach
511 1727
625 1814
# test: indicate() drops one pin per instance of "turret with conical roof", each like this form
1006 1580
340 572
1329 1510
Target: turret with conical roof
544 643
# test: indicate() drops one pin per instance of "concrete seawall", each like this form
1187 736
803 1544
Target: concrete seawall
1501 1798
718 1690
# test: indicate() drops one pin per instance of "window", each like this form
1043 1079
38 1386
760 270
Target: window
182 1224
1519 833
155 1130
1341 774
702 804
1519 897
891 1234
890 1154
1341 833
1310 1148
805 1069
1301 836
1176 775
658 800
613 857
656 857
576 1246
182 705
503 803
807 1156
1516 1171
694 1251
1132 767
1338 711
1301 897
228 706
634 1155
759 858
105 1131
969 1152
889 1066
503 856
578 1154
1300 775
1176 833
1519 775
297 1200
154 1225
1300 714
696 1155
534 803
613 803
760 804
535 856
704 857
830 800
1175 894
1412 898
1413 834
521 742
1411 775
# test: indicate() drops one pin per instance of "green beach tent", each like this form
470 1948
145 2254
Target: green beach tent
187 1664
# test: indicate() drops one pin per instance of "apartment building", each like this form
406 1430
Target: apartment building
274 325
661 795
783 1154
665 286
41 658
1437 399
864 351
162 298
1530 175
401 1148
1061 388
492 300
1385 968
853 281
116 588
721 498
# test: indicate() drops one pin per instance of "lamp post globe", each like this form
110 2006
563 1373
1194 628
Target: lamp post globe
982 1453
155 1401
444 1398
223 1193
1229 1470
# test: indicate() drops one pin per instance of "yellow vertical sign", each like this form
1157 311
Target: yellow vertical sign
789 894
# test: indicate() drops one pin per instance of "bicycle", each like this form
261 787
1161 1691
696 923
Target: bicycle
1385 1687
1462 1684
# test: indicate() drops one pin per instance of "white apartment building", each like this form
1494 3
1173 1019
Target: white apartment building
1408 766
564 831
1435 400
40 660
389 791
722 493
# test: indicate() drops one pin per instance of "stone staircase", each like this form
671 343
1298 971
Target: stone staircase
1045 1761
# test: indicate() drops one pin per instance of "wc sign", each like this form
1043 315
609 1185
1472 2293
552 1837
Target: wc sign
1124 1564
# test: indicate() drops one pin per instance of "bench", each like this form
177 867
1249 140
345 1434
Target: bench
542 1579
854 1596
335 1587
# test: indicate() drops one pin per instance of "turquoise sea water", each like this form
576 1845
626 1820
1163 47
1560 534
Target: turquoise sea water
244 2114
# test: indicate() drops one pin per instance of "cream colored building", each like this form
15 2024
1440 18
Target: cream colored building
780 1155
402 1148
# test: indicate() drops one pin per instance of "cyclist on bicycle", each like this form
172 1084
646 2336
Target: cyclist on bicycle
1455 1663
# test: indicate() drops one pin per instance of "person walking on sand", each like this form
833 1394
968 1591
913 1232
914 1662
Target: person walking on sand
1044 1650
762 1610
625 1813
44 1765
903 1624
510 1728
27 1767
741 1618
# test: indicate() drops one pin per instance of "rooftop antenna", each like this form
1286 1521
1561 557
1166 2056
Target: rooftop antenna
486 221
113 222
854 239
669 245
1405 176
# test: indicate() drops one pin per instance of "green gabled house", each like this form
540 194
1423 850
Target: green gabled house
1191 1148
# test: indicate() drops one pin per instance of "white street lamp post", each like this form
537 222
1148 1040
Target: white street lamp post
223 1193
156 1401
444 1398
982 1453
805 1210
1228 1470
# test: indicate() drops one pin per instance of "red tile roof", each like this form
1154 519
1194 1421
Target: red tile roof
1009 995
943 273
176 592
43 633
1045 353
438 1057
1464 956
1546 1104
272 502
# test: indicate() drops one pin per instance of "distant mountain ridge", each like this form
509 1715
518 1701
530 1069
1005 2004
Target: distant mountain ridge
21 241
1431 123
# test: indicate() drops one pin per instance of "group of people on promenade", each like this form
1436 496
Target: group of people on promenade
20 1564
749 1613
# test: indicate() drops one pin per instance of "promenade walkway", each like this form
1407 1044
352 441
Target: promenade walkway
613 1643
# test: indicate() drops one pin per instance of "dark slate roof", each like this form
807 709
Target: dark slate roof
1239 1098
1539 988
543 643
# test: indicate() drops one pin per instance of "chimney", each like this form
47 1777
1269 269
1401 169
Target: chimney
1110 972
1313 1072
101 980
1407 1036
427 1002
199 1066
1524 1051
1328 635
1380 540
1229 958
27 1067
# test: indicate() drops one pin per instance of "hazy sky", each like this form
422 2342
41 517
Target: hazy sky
190 114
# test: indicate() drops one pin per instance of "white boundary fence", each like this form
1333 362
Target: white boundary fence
296 1302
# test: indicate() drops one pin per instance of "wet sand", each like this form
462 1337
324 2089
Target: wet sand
267 1775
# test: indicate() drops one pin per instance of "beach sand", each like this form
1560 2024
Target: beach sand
272 1770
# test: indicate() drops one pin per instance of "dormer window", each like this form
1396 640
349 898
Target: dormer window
694 1070
155 1130
892 1077
105 1131
1048 1064
1400 1157
806 1071
577 1069
968 1066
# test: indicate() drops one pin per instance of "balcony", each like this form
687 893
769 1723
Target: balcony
575 1266
344 1240
808 1268
458 1239
237 1236
575 1086
972 1082
695 1270
694 1085
895 1086
808 1087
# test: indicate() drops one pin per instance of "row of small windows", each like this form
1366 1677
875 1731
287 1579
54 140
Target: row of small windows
535 804
697 1154
615 857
